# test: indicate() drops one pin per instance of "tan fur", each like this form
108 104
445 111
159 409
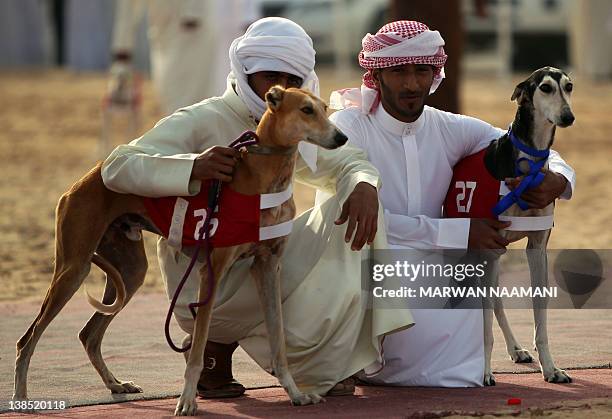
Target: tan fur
85 233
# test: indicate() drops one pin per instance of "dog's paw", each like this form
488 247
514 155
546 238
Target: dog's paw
305 399
186 407
520 356
558 376
125 387
489 380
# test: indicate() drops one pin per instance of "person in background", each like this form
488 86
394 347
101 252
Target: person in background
188 41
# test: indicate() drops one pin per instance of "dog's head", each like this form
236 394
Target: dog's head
296 115
547 92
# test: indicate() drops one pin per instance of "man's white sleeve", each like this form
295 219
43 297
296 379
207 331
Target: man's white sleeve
558 165
422 232
157 164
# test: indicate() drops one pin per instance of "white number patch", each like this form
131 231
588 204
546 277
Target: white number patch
463 186
214 223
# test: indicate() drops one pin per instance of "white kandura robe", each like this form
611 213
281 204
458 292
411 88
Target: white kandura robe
415 161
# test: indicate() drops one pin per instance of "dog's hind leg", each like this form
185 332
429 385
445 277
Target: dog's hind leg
491 280
67 279
515 350
74 249
538 267
266 272
129 258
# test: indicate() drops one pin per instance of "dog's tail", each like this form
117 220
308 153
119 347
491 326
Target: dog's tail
117 281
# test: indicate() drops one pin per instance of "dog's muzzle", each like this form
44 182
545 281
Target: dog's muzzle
340 139
567 118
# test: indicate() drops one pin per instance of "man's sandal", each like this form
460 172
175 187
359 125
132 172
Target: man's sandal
216 380
224 391
345 387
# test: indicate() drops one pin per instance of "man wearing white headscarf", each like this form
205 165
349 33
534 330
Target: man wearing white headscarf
330 333
415 148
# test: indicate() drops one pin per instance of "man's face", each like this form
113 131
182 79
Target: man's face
404 88
262 81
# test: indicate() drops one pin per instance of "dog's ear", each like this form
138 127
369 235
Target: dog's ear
274 97
520 91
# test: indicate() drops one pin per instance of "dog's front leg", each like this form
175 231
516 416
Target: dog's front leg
266 273
515 350
187 405
538 267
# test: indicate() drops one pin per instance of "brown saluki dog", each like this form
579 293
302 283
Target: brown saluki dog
91 227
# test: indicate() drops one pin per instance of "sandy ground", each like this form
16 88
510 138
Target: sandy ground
51 122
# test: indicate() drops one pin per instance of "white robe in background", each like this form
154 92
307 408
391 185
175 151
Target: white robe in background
415 161
187 66
179 58
231 18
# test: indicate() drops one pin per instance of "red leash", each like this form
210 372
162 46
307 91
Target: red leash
247 138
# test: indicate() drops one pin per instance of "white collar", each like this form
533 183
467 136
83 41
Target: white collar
397 127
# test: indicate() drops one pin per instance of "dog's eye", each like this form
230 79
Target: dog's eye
546 88
307 110
569 87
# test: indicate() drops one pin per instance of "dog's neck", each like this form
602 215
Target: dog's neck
532 128
268 172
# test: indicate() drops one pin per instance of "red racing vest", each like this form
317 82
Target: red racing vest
473 193
235 220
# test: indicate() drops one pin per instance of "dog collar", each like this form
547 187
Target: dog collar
530 180
533 152
279 151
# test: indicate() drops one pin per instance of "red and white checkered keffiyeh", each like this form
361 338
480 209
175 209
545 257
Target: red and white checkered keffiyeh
396 43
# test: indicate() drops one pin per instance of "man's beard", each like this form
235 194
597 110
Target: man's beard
392 101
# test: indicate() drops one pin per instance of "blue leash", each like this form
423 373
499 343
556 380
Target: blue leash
532 178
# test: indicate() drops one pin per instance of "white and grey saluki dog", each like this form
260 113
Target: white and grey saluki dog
543 104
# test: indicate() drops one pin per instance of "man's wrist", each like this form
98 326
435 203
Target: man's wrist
562 184
363 184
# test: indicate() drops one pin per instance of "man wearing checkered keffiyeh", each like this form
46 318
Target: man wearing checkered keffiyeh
397 43
415 147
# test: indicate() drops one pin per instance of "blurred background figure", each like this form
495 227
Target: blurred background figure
188 42
446 17
591 45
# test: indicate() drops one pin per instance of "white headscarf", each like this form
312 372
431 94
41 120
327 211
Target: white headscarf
274 44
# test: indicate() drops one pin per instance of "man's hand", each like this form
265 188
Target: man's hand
484 234
545 193
215 163
361 211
